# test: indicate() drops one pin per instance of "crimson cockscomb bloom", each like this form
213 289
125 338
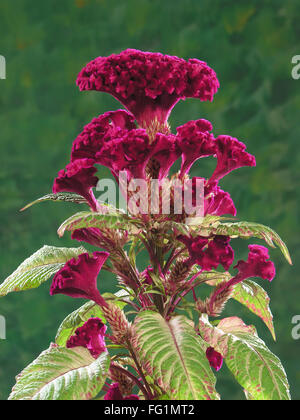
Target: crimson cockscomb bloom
195 141
149 84
114 393
128 151
78 177
215 359
217 202
209 253
231 155
78 277
257 265
98 131
91 336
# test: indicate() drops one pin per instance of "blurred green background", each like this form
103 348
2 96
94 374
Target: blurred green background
250 45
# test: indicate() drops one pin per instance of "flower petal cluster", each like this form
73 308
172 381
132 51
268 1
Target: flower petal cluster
78 177
78 277
207 253
91 336
149 84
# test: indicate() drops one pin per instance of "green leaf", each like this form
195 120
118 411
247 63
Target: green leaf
247 230
62 374
38 268
62 196
256 369
90 309
175 355
87 219
256 299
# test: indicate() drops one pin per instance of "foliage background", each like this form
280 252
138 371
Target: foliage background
250 45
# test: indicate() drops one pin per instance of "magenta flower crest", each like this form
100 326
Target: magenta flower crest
231 155
91 336
78 177
100 130
149 84
207 253
195 141
78 277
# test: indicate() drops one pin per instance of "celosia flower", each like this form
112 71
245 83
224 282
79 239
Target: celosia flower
130 151
231 155
257 265
91 336
195 141
209 253
218 202
78 177
149 84
215 359
114 393
78 277
100 130
164 153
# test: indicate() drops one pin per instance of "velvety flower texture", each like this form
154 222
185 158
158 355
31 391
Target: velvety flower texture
130 151
231 155
209 254
114 393
149 84
91 336
257 264
215 359
216 201
78 177
164 153
78 277
100 130
195 141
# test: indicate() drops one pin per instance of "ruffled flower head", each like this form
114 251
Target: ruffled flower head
91 336
99 131
257 264
215 359
129 151
195 141
149 84
218 202
231 155
114 393
78 177
209 254
78 277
